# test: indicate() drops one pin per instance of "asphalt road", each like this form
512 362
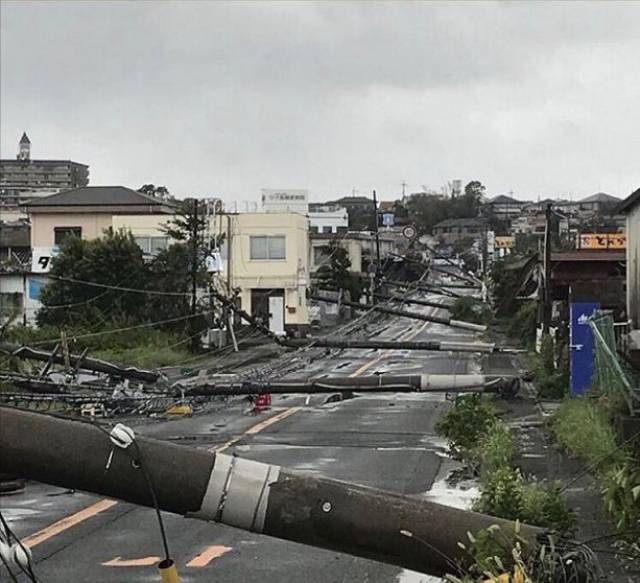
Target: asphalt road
383 441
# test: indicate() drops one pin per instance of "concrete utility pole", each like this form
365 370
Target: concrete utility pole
384 383
79 362
247 317
194 271
416 301
429 288
377 234
546 300
410 532
447 321
401 345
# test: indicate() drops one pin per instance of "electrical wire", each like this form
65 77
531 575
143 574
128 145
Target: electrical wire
28 571
134 327
116 287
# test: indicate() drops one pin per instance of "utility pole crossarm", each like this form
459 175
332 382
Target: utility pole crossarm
246 494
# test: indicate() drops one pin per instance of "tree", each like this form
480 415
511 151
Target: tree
161 192
113 260
335 275
475 190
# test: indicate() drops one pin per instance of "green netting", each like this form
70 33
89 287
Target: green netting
610 376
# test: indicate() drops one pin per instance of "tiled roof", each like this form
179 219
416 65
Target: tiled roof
96 196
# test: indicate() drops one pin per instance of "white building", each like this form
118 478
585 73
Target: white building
631 208
327 218
283 200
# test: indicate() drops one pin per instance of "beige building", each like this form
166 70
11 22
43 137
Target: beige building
87 212
631 208
268 263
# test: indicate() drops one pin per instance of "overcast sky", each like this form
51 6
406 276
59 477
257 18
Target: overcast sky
541 99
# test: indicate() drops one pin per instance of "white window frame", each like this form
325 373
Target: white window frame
267 247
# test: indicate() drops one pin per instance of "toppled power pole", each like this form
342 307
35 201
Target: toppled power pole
416 301
410 532
79 362
443 346
387 383
446 320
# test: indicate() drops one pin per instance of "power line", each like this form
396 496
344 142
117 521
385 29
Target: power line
116 287
104 332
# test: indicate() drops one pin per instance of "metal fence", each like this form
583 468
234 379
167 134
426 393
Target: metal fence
610 375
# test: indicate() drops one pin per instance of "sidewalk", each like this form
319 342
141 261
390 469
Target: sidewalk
539 458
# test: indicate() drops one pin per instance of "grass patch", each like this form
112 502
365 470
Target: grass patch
584 428
585 431
144 356
477 436
144 347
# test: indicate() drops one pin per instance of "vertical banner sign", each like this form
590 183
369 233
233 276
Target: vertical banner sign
582 347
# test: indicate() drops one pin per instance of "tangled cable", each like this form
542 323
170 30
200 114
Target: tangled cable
14 555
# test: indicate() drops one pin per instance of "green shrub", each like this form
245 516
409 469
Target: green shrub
522 326
505 494
469 418
621 494
502 494
471 309
551 382
545 505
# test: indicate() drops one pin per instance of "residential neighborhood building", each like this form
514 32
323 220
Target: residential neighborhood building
452 230
24 179
503 207
327 218
87 212
269 267
630 207
283 200
360 247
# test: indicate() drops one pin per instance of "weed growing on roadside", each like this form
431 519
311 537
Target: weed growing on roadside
469 418
550 382
496 449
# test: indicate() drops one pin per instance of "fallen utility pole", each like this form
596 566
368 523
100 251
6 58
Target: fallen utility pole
426 383
407 531
416 301
80 361
471 283
225 301
443 346
423 287
447 321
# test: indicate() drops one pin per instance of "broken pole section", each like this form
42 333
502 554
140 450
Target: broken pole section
387 383
437 345
246 316
79 361
432 289
447 321
416 301
249 495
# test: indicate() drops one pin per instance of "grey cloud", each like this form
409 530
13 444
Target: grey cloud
210 96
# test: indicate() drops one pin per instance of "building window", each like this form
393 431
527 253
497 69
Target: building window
327 230
270 248
152 245
313 229
61 233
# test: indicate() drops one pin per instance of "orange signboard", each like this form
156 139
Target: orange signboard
602 241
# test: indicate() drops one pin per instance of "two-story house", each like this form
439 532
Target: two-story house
268 265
